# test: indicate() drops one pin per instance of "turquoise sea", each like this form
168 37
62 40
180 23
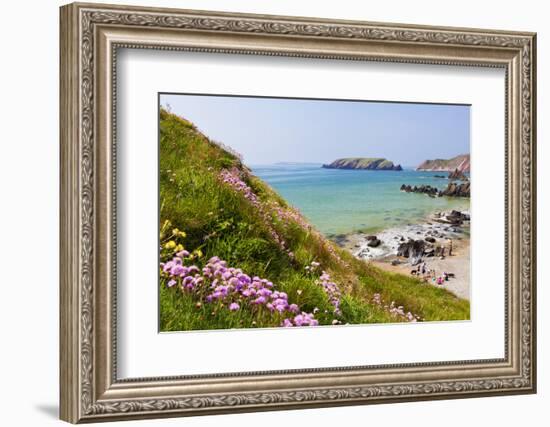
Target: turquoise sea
341 201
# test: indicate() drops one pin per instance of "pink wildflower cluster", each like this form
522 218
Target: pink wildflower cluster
217 282
286 215
303 319
291 215
232 178
397 311
332 290
312 267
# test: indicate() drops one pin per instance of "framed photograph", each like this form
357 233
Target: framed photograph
266 213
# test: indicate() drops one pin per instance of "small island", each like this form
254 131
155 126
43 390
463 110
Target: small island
364 163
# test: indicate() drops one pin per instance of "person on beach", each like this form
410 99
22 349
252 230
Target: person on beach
450 247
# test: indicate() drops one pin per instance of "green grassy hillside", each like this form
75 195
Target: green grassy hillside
235 254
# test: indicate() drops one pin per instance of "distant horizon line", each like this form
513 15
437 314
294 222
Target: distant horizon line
283 162
304 163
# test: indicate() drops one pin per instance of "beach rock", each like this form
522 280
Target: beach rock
371 237
464 216
429 239
395 262
412 249
457 175
457 218
456 190
363 252
374 243
453 219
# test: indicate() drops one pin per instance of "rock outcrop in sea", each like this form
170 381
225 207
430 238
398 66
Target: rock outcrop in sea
461 162
457 175
363 163
452 190
424 189
456 190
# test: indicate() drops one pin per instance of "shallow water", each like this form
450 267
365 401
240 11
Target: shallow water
341 201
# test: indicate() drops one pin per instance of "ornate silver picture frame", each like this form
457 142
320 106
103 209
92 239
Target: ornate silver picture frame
91 34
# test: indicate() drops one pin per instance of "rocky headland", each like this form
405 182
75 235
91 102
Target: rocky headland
363 163
460 163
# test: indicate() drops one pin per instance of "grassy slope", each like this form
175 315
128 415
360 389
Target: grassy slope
221 222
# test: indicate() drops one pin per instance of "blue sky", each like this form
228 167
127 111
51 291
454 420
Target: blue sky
270 130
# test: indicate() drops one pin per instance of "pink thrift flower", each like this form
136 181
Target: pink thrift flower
287 323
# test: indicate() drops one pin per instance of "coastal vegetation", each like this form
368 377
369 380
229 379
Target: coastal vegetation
234 254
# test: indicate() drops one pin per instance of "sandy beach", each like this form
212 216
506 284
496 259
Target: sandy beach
434 232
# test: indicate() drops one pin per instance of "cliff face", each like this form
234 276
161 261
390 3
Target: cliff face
460 163
364 163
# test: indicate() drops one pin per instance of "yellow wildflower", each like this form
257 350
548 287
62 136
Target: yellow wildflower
177 232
